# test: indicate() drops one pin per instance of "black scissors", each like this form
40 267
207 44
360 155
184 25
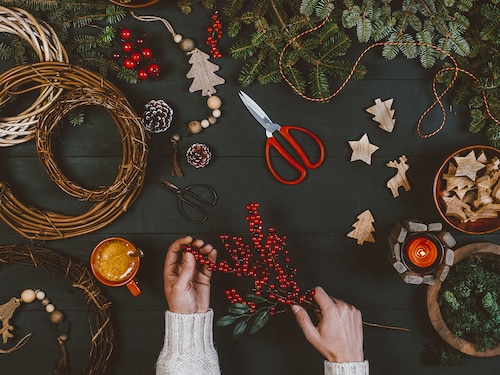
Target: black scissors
184 194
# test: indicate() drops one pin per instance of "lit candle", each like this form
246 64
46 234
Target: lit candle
422 251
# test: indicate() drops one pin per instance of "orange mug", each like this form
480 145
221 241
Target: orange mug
115 262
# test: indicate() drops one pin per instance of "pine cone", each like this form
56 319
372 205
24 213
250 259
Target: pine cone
198 155
157 116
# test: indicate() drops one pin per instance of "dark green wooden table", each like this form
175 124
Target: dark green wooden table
315 215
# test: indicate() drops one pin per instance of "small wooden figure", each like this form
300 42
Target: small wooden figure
363 228
383 114
6 312
362 149
400 178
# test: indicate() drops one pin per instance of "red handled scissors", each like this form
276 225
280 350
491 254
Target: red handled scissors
272 143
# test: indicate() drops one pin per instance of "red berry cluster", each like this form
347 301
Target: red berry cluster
266 262
136 55
214 34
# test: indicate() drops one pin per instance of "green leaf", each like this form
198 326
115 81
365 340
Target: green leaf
256 299
260 321
364 29
226 320
239 329
238 308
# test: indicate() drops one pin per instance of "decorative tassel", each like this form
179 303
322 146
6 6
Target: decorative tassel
175 169
62 367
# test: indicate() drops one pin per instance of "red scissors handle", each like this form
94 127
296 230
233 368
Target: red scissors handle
272 143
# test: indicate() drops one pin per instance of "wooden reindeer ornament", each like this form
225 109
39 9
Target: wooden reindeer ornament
400 178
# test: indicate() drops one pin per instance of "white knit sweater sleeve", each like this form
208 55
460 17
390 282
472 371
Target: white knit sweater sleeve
189 347
348 368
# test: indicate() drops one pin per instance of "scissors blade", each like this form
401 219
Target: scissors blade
259 114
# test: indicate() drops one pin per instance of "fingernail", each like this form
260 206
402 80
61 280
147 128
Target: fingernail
295 308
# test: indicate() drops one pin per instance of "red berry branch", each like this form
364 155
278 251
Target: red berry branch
136 56
214 34
266 262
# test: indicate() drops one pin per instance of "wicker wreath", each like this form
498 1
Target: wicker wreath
101 328
87 88
44 41
131 170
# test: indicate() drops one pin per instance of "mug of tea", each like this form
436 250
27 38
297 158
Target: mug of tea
115 262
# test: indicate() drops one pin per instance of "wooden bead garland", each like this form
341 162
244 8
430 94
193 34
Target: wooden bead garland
204 79
81 278
56 317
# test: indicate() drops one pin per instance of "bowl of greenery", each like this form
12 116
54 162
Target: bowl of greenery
465 308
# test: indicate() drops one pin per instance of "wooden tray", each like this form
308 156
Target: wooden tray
435 313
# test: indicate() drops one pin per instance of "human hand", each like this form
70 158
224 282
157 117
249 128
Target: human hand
186 283
339 333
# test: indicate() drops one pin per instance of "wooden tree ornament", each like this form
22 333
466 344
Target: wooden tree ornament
363 228
203 73
400 178
362 150
383 114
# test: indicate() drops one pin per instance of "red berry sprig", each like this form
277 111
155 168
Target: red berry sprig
136 56
214 34
267 263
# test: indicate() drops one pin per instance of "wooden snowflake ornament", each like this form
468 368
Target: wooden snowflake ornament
362 150
400 178
363 228
383 114
203 73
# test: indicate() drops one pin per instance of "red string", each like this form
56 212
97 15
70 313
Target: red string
438 97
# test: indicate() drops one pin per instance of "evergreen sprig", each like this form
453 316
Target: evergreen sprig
83 27
309 63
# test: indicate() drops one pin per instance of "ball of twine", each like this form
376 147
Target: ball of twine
47 47
101 329
88 88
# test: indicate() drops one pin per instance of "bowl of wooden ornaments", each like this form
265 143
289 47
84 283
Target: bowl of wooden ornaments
467 190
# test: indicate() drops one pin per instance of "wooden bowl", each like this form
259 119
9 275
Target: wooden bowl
134 3
480 226
435 313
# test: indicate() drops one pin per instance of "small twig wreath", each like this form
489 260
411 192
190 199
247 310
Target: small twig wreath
101 329
131 170
44 41
112 201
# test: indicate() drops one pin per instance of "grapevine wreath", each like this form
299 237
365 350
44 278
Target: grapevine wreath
101 329
86 88
47 47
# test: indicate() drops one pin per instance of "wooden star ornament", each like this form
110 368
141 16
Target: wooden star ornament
468 165
362 149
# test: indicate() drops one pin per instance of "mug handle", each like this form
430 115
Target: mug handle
133 287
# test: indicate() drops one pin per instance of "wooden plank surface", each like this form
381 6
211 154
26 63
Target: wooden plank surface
315 215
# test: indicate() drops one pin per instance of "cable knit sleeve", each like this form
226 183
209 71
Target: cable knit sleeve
188 348
349 368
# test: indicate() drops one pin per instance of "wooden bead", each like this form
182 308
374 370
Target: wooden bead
50 308
45 301
204 123
194 127
176 137
214 102
62 337
212 120
187 44
216 113
28 295
40 294
56 316
177 38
